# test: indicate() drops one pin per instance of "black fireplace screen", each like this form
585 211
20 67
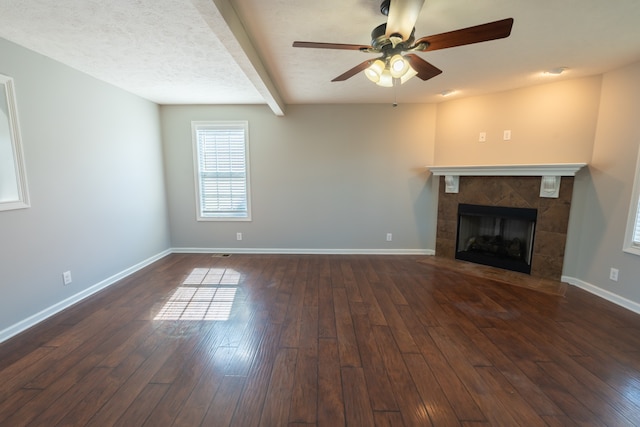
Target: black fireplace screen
496 236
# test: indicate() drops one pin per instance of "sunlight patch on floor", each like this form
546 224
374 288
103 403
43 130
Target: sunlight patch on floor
203 298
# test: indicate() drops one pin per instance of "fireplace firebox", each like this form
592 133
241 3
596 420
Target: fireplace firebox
496 236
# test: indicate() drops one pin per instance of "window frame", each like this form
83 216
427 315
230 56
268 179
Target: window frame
633 220
236 124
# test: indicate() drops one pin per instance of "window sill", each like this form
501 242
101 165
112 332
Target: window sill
222 218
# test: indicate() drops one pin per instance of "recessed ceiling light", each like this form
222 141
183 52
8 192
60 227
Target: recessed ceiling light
556 71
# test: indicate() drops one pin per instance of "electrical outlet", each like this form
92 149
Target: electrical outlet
238 236
482 137
613 274
66 278
389 237
506 135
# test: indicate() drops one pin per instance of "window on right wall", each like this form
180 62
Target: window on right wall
632 235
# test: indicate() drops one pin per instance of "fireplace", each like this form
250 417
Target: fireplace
497 236
546 189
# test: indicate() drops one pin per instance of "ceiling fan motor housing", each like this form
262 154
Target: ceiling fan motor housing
380 41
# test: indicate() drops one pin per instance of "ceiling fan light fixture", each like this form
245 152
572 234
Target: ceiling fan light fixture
408 74
374 71
386 79
372 75
398 66
390 72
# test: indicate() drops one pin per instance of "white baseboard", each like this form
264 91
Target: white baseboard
56 308
603 293
291 251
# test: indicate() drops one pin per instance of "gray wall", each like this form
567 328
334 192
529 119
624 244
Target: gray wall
94 167
323 178
603 195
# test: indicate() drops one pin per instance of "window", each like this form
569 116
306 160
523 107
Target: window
221 164
13 179
632 236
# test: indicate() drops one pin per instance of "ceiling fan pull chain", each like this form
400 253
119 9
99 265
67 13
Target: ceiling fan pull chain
395 93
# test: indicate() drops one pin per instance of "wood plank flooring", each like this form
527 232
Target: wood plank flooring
323 340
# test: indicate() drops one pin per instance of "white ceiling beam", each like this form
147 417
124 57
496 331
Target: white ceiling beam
223 20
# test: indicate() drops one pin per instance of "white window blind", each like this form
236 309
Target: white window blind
222 170
636 229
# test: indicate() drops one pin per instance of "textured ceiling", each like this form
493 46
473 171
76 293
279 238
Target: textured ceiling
162 50
239 51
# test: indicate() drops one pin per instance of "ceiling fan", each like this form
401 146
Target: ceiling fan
396 42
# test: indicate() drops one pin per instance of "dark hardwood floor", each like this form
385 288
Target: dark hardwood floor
312 340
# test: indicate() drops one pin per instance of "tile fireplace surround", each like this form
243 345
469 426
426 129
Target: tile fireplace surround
547 188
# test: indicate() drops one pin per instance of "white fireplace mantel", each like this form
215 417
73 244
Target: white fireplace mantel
550 174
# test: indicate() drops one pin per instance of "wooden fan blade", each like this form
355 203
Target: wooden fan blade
352 72
425 70
403 15
343 46
479 33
